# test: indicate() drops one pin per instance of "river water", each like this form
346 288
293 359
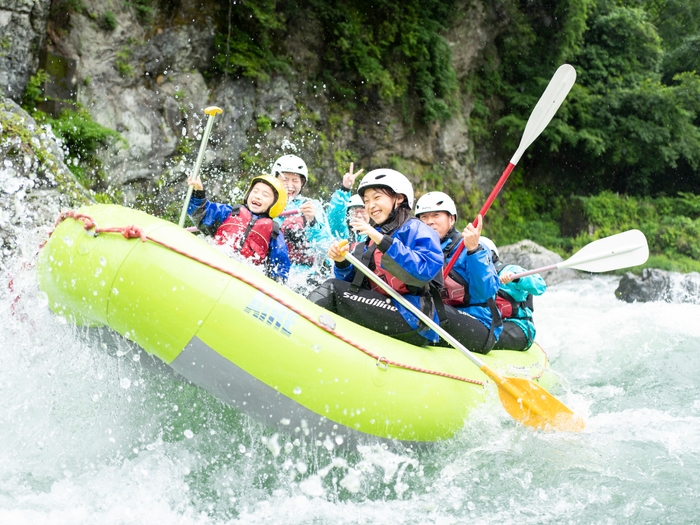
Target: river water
94 431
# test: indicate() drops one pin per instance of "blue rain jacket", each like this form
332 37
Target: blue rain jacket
411 253
479 272
529 285
338 215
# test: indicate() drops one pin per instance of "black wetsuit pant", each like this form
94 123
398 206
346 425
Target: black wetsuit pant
512 338
377 312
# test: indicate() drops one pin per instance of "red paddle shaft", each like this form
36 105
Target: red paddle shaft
482 212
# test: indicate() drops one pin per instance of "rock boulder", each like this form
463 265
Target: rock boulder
659 285
35 184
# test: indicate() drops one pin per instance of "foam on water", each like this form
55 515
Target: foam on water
94 431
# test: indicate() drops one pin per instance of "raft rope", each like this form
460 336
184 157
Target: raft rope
132 232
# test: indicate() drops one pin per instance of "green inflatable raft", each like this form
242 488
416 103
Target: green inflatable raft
257 345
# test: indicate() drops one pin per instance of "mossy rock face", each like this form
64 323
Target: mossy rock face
35 184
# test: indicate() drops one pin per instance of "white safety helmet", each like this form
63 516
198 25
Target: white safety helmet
387 178
355 202
290 164
436 201
488 244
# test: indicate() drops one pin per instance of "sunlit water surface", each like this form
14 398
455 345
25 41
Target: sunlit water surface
94 431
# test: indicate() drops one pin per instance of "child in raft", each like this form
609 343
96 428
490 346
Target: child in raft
472 284
248 228
515 302
406 254
306 232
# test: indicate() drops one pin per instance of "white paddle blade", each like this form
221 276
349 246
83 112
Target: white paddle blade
611 253
557 89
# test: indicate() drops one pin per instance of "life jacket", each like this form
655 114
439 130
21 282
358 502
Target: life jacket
300 251
249 236
456 289
509 307
371 257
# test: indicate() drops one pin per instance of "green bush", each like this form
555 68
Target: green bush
143 8
121 63
370 47
34 91
108 21
83 137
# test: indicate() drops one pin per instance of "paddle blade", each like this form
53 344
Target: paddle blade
557 89
622 250
533 406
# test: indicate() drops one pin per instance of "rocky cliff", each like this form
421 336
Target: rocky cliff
149 81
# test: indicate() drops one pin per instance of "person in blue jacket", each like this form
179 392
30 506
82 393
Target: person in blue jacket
401 250
342 201
472 284
515 302
306 232
407 255
247 229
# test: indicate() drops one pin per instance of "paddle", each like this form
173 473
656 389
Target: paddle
523 400
544 111
212 111
621 250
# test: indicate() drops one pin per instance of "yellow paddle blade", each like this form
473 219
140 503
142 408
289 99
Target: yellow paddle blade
213 110
532 405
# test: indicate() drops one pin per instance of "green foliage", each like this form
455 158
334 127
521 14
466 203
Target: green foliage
263 123
244 44
84 138
524 212
379 47
670 232
108 21
621 49
631 124
76 6
670 224
393 48
34 91
185 146
686 57
674 20
81 135
121 63
143 8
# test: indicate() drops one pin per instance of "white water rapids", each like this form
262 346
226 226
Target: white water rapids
93 431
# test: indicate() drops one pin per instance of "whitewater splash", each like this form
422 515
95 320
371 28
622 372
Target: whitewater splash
96 431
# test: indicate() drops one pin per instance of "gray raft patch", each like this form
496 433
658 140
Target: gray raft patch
231 384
